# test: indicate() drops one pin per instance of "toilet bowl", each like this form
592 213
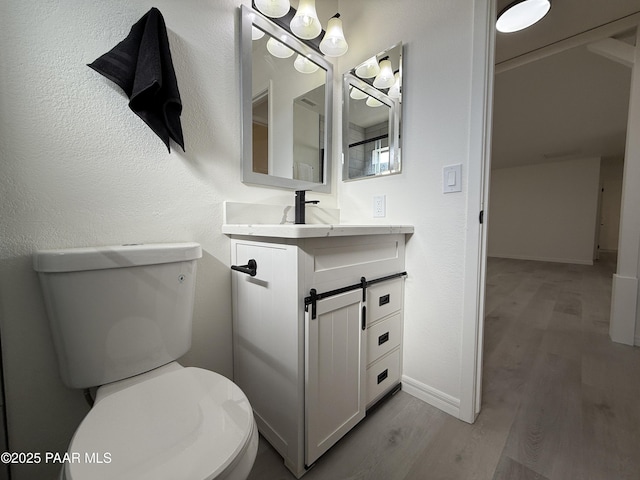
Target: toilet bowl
170 423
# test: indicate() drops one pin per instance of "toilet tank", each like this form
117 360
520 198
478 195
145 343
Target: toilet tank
118 311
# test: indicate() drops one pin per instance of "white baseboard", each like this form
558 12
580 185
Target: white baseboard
542 259
432 396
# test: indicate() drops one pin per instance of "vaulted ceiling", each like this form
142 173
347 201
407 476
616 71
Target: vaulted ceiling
552 102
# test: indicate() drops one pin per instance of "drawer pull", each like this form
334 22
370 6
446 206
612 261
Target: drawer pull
383 376
383 300
384 338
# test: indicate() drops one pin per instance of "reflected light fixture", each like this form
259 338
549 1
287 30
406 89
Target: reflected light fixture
278 49
373 102
273 8
305 23
522 14
385 78
357 94
304 65
368 69
394 90
256 33
333 43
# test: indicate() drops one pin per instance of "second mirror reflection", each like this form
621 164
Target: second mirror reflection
372 116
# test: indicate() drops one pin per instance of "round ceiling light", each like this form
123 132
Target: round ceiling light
522 14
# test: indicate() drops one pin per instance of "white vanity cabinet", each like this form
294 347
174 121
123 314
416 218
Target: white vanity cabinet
311 371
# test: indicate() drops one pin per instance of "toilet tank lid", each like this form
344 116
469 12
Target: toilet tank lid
117 256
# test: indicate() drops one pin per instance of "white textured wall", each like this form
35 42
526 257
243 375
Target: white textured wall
437 39
545 212
78 168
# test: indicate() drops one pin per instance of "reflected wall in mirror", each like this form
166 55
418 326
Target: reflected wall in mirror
372 111
286 108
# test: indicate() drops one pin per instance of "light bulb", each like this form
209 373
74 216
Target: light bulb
334 44
385 78
522 14
373 102
278 49
273 8
304 65
368 69
305 23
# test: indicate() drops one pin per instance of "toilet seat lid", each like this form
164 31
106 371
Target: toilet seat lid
188 423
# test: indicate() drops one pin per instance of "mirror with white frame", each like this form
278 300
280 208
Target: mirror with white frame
372 116
287 95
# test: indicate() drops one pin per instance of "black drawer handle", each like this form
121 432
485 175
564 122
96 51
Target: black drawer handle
383 376
384 338
383 300
251 268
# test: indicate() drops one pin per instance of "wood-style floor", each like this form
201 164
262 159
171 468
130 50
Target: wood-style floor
560 400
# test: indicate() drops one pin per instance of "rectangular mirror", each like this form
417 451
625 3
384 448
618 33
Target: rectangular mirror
286 108
372 116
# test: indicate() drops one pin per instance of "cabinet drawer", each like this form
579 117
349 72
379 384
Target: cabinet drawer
382 375
383 337
383 299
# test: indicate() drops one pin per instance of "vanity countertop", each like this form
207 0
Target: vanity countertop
312 230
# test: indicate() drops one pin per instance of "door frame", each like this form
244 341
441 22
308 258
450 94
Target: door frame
480 134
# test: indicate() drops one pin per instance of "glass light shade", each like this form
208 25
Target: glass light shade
304 65
368 69
256 33
373 102
522 14
394 90
357 94
333 43
305 23
273 8
278 49
385 78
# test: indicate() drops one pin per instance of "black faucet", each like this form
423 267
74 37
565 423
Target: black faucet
300 206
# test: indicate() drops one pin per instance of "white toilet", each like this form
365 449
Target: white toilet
120 317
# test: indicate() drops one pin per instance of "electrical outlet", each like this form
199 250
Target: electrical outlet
379 207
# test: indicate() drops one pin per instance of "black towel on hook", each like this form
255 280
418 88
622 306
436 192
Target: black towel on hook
141 65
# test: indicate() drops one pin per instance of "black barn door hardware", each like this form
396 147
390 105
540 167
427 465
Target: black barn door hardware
251 268
314 296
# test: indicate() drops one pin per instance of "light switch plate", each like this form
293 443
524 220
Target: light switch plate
452 178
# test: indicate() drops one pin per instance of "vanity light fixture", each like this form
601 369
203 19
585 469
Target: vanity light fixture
304 65
305 23
273 8
278 49
522 14
368 69
384 79
333 43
